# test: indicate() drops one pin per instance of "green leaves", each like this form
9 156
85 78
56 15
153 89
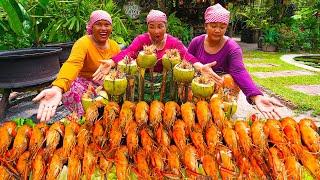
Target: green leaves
270 36
179 29
24 121
44 3
14 14
26 23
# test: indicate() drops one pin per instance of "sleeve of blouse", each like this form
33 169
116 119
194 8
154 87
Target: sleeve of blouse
241 75
71 68
184 52
115 47
131 50
192 47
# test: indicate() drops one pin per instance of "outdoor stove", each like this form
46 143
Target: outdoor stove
26 69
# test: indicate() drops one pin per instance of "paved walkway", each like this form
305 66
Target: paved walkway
29 109
244 108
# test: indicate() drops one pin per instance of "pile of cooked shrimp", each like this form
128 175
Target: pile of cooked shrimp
158 140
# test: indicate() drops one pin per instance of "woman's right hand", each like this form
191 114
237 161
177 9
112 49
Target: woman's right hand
49 100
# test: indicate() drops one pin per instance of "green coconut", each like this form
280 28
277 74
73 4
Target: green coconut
146 60
170 59
102 97
115 83
230 108
87 100
202 87
130 68
183 72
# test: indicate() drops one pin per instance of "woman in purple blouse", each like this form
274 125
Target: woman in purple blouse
225 55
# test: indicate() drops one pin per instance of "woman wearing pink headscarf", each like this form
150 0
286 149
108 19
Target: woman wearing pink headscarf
84 66
156 35
225 55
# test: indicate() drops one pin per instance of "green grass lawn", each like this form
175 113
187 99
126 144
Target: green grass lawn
279 85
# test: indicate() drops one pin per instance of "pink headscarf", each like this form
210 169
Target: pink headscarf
97 16
217 13
156 15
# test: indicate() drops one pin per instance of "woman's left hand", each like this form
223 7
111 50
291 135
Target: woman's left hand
103 70
268 106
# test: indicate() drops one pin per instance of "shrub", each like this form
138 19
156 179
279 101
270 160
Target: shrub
179 29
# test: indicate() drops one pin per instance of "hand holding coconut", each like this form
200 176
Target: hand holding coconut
49 100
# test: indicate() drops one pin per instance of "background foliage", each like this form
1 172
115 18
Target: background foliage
34 23
291 25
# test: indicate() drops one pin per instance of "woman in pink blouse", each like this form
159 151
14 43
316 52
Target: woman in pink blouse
157 35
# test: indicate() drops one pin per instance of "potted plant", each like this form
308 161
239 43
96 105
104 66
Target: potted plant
269 39
253 18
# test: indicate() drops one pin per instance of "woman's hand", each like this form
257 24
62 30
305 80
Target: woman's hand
49 100
267 106
207 70
103 70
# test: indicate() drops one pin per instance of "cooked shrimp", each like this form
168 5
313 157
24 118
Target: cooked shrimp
142 113
188 115
203 114
156 111
171 111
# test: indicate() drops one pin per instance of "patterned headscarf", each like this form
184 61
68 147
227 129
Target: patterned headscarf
217 13
97 16
156 15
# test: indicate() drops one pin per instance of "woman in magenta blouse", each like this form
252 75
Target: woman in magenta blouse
156 35
216 48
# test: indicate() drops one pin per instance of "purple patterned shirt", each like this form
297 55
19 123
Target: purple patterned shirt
229 60
144 39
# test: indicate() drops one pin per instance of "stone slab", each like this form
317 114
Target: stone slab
282 73
261 65
313 90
